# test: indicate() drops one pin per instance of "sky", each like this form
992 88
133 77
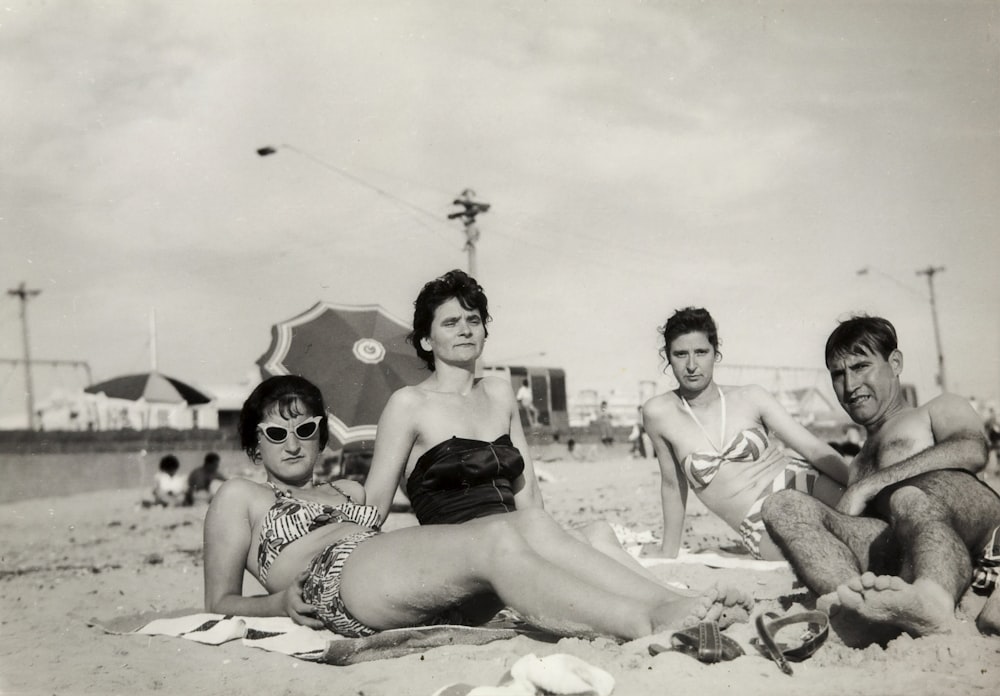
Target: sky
748 157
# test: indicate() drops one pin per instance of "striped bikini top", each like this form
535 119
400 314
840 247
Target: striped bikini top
700 467
290 519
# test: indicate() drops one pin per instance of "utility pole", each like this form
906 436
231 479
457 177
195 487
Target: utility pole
930 271
468 214
24 294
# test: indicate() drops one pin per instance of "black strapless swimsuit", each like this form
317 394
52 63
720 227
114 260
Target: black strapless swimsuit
461 479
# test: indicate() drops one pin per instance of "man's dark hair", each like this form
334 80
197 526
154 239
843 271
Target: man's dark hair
861 335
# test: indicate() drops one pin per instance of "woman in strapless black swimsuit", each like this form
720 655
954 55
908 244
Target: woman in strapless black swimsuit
454 442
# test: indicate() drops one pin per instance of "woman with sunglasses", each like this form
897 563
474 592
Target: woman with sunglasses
318 551
455 441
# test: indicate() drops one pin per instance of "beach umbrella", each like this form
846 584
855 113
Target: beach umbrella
151 386
356 354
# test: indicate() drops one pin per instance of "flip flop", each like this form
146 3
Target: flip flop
768 625
704 642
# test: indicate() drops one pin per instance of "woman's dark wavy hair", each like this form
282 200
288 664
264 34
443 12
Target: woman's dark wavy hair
861 335
685 321
285 393
453 284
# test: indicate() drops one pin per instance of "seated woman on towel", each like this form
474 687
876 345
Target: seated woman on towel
454 441
318 551
719 441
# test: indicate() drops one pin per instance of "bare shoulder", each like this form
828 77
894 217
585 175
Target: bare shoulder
659 409
752 393
407 397
239 493
952 410
496 387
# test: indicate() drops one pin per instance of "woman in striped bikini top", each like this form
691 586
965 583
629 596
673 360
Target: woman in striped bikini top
728 471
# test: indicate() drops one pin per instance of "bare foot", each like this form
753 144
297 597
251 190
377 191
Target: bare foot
919 609
724 605
988 621
829 603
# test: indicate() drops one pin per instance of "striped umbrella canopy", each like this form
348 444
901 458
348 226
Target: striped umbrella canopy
151 386
356 354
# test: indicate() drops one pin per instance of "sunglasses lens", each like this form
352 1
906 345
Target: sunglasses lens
306 430
275 433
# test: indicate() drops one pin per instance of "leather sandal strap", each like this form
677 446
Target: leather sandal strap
769 623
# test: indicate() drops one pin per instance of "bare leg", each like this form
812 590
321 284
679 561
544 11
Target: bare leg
937 518
824 547
435 568
988 621
602 570
602 537
920 608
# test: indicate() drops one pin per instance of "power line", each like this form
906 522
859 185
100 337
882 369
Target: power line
270 150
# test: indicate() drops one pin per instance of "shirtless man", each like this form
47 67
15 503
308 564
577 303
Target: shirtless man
899 548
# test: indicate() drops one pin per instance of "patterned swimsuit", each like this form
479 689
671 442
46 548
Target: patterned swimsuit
290 519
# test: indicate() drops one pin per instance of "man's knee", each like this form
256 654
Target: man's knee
789 507
912 504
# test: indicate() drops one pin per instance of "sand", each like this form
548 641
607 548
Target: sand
99 555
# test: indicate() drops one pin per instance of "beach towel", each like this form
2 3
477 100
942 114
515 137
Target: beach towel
715 560
282 635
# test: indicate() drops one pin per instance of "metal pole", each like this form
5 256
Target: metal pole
470 209
23 294
930 271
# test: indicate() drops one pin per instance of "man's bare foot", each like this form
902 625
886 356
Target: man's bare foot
829 603
988 621
919 609
724 605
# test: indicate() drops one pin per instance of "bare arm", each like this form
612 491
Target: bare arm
227 542
527 493
796 436
393 443
958 444
673 485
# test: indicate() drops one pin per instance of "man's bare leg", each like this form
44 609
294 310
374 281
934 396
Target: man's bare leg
920 608
824 547
937 518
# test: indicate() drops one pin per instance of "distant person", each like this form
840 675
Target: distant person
638 438
203 482
526 400
454 442
901 547
169 486
721 441
604 426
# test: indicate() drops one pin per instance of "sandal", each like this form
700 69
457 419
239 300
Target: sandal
704 642
768 625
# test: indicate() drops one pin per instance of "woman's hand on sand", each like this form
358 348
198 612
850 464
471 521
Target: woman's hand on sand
299 610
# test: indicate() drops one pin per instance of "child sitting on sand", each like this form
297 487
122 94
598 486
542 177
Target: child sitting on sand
168 486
